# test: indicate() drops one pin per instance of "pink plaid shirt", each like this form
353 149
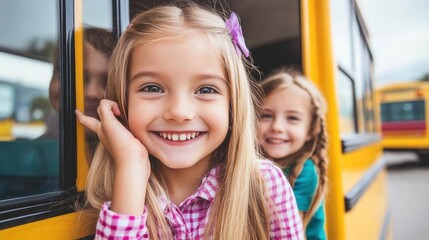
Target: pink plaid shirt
188 220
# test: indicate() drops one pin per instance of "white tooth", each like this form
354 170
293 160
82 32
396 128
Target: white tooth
193 135
169 136
183 137
164 135
175 137
188 136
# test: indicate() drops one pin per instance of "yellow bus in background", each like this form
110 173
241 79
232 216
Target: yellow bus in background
404 117
41 179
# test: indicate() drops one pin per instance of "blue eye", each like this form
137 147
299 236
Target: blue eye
152 89
206 90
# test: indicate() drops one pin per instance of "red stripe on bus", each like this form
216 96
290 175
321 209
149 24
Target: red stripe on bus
404 125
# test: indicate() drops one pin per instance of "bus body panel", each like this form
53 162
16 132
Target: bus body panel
68 226
370 212
372 204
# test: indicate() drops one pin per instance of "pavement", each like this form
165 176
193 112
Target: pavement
408 188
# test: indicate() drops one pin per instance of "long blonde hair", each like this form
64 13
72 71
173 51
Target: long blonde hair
240 209
316 147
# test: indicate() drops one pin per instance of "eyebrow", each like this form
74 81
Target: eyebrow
211 76
288 111
198 76
141 75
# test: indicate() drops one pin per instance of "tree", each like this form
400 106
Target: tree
425 77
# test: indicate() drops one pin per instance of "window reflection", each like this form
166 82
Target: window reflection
98 44
29 161
97 49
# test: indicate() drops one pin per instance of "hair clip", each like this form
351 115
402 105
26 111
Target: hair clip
236 33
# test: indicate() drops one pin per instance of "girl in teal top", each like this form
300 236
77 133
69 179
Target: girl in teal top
292 133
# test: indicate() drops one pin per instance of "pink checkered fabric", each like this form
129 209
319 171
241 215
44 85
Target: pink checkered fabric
188 220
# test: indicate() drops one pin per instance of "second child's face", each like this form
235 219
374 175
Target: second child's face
285 122
95 68
178 101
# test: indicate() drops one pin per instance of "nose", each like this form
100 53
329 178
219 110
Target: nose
179 109
94 89
279 125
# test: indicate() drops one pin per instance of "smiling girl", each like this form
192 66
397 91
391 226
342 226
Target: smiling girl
177 159
292 133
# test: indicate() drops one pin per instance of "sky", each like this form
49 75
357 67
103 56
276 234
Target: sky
399 36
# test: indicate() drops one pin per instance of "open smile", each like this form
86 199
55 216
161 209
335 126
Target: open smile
179 137
276 141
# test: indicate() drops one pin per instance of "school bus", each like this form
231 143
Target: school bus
328 41
404 122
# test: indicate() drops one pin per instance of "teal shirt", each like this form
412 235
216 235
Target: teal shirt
304 189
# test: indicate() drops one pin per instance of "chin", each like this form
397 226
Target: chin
277 155
177 163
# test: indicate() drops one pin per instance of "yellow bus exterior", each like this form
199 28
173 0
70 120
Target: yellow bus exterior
356 203
355 154
403 109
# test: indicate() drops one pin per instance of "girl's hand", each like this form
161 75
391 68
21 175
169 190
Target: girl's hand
118 140
132 166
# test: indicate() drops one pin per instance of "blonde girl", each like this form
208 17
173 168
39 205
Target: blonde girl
292 133
177 156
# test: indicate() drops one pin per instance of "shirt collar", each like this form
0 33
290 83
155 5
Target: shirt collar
207 190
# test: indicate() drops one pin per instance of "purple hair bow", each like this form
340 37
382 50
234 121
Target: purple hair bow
234 29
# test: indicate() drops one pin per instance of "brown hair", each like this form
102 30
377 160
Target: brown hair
101 39
316 147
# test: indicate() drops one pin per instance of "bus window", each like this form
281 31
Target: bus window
354 76
98 13
403 111
369 114
29 161
346 104
341 27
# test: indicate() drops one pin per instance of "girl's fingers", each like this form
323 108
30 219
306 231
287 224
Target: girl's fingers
89 122
116 110
108 109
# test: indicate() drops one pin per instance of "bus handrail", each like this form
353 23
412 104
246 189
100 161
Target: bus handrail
357 141
357 191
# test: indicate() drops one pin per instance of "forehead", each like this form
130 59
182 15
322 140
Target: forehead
181 54
291 97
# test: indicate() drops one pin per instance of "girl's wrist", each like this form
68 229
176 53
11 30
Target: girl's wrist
129 189
138 168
